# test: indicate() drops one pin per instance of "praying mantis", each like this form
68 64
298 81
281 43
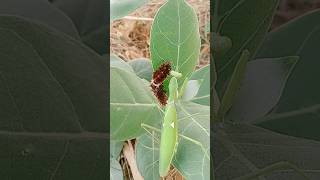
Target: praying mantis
170 135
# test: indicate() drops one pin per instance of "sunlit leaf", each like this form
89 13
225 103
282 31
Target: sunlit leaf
131 103
175 37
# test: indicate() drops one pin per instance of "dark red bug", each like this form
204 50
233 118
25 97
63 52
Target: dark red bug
158 78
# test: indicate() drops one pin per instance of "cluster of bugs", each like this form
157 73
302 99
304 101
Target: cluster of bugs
158 78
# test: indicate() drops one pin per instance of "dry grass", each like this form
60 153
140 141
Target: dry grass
130 36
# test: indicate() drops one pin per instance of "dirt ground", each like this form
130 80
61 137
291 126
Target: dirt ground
129 39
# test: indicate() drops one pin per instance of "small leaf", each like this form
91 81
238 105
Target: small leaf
115 167
118 9
115 149
175 37
115 61
261 88
198 88
196 80
220 44
200 73
191 90
142 68
203 94
131 104
115 170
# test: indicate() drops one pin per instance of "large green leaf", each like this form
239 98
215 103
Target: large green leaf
118 9
91 20
261 88
244 149
40 11
192 157
246 23
52 105
297 111
131 103
142 68
175 37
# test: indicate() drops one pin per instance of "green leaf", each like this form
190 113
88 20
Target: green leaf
246 23
244 149
119 9
91 20
175 37
198 88
131 103
200 73
194 83
191 90
261 88
191 159
115 61
41 12
115 149
203 94
142 68
234 84
296 112
52 105
115 168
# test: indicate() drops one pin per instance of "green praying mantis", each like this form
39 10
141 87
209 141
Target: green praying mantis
169 130
169 133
